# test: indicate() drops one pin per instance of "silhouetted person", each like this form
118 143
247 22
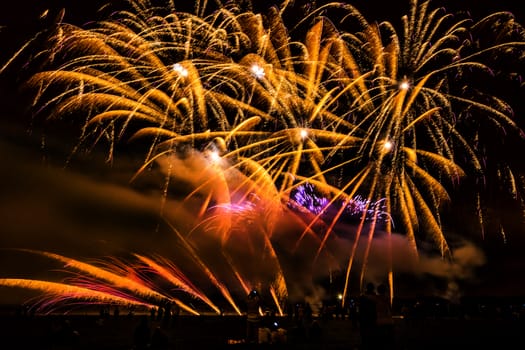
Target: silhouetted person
116 311
316 332
131 311
175 315
167 314
308 313
253 316
352 314
367 317
159 339
152 313
66 335
103 312
141 335
160 313
385 322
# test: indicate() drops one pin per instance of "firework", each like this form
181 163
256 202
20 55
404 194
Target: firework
351 118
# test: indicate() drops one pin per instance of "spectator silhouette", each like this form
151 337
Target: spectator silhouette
385 322
152 313
253 316
159 339
141 335
316 332
68 335
116 311
308 313
167 314
367 317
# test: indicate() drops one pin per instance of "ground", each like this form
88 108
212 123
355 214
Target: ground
197 332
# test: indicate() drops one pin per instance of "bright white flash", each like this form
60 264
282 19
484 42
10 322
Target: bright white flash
215 157
183 72
405 85
304 133
387 146
257 71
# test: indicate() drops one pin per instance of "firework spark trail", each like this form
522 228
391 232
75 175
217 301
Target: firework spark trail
242 281
169 271
252 213
62 291
276 299
209 273
118 280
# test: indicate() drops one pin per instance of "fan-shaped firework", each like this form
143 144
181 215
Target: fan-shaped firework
356 113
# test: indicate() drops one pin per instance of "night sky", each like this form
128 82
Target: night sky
84 207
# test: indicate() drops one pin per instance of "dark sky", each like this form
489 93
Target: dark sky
87 211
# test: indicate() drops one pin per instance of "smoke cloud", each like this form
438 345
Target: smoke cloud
85 215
